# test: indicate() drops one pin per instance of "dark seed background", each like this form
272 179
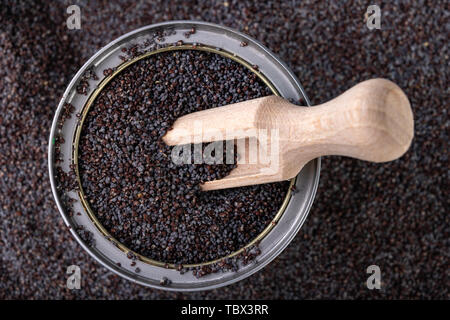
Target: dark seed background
393 215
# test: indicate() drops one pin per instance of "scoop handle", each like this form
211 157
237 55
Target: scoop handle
372 121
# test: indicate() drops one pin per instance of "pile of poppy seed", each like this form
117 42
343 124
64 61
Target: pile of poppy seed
147 202
393 215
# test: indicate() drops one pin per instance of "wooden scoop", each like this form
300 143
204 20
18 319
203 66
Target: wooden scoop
371 121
